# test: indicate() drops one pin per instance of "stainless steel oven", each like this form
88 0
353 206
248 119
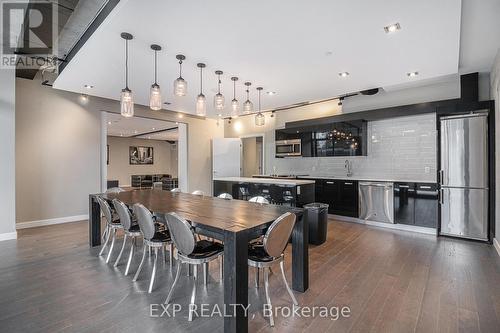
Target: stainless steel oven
288 148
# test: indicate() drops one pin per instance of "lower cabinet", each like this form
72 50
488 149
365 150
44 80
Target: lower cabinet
341 196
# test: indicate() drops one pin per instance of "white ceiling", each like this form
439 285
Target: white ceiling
141 128
282 46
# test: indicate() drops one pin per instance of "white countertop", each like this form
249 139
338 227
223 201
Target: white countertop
293 182
369 179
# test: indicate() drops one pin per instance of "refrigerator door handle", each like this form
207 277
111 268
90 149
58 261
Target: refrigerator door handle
441 174
441 197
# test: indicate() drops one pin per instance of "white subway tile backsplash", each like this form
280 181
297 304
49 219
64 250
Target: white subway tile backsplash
399 148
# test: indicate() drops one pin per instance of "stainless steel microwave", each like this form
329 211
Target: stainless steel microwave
288 148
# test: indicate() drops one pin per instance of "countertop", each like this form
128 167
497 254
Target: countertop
293 182
368 179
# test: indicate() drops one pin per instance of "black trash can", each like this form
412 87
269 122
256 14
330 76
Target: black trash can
317 218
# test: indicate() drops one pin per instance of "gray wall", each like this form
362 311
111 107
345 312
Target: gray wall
495 94
57 153
120 169
7 153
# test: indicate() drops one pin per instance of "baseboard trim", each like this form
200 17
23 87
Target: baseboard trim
58 220
496 244
8 236
403 227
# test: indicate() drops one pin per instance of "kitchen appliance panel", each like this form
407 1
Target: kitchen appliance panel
376 202
426 205
404 203
464 151
464 212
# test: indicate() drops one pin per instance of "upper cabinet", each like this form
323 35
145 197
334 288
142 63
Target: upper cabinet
335 139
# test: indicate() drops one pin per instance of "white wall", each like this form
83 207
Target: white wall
7 153
495 94
119 167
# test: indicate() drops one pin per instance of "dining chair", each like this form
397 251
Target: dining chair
198 192
115 190
265 253
259 199
175 190
112 225
131 230
152 239
111 190
190 252
226 196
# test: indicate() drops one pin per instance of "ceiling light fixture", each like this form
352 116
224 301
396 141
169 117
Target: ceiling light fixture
235 106
344 74
88 86
412 74
248 106
180 85
201 101
126 99
155 93
392 28
218 98
271 93
260 119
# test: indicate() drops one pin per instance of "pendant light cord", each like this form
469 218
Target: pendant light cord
201 80
126 64
180 68
156 64
218 84
234 89
259 100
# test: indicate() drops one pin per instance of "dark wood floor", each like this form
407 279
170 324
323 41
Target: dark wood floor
50 281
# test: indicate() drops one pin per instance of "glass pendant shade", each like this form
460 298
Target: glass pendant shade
247 106
180 87
219 102
155 97
201 105
235 108
260 119
127 103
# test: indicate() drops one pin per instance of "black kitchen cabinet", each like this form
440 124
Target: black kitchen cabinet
340 195
426 205
416 204
404 203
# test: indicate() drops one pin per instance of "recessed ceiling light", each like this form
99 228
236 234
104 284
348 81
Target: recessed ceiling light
135 131
88 86
392 28
154 128
177 123
180 115
271 93
412 74
344 74
109 123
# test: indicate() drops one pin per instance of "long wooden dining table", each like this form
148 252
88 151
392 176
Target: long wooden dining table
235 222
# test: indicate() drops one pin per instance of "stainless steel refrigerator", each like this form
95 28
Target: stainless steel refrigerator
463 176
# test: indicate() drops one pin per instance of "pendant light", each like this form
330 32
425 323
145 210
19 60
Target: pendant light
180 85
235 106
155 93
248 106
126 98
201 101
260 119
218 98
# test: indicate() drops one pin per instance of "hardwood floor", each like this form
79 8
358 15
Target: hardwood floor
392 281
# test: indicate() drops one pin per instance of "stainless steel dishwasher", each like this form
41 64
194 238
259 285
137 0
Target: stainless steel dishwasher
376 201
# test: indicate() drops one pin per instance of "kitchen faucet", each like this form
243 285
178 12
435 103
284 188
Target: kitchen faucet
348 167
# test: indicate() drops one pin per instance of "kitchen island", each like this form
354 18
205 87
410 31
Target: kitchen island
293 192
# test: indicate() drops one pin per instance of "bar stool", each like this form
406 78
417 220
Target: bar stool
190 251
152 239
270 250
226 196
131 230
259 199
112 225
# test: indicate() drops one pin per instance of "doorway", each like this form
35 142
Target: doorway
252 156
